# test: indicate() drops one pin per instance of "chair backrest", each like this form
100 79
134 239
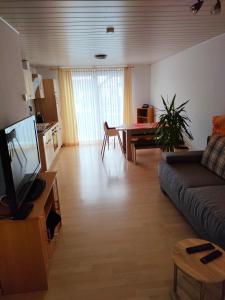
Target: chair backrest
106 127
109 131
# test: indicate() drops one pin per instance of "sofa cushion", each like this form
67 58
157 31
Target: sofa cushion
205 208
214 156
190 174
175 177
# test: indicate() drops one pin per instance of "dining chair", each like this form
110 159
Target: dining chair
110 132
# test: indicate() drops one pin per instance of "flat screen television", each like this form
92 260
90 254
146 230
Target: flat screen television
19 162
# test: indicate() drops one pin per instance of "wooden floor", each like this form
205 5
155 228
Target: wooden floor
118 229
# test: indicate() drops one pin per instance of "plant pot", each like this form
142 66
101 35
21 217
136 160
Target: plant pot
181 148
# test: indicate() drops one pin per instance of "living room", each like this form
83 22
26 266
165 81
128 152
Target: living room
121 216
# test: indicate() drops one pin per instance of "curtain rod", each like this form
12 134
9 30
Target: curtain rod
89 68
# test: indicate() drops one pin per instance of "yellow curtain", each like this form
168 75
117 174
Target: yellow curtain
69 123
127 95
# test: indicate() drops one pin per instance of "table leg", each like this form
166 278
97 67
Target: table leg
124 141
175 279
202 292
128 146
223 291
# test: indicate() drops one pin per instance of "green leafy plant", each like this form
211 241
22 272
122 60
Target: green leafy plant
173 125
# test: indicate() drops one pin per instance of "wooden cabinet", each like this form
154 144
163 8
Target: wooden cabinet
49 107
48 148
26 247
146 115
50 143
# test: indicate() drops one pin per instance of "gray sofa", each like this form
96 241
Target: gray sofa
197 192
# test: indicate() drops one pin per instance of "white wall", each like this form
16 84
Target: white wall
140 88
197 73
12 86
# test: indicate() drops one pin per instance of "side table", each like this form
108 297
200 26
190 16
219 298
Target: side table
190 264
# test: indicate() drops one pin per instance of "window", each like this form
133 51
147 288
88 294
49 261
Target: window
98 97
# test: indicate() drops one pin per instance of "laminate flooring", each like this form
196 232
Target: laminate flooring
118 229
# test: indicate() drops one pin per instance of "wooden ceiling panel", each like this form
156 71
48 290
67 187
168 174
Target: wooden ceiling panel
70 33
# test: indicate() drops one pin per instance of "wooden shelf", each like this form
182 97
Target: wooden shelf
25 247
145 115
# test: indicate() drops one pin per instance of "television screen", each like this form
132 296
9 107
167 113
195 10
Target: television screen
23 154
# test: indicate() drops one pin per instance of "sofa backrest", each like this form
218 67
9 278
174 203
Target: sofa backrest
214 155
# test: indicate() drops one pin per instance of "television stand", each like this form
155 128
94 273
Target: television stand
27 245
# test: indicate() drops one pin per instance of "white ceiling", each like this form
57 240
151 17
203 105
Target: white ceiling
70 33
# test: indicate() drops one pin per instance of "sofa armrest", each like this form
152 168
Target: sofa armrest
182 157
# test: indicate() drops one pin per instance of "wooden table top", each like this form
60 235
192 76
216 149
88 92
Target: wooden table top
137 126
213 272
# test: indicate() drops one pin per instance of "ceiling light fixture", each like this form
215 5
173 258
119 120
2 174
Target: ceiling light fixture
216 9
196 7
100 56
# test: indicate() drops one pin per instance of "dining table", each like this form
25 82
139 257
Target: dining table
135 131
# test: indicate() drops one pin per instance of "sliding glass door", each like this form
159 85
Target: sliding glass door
98 96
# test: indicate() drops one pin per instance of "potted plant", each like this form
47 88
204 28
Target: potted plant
172 126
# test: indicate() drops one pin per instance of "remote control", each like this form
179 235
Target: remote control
213 255
199 248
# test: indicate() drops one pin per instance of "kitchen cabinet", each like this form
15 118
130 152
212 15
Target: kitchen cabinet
60 135
49 107
39 92
50 142
48 148
57 137
29 92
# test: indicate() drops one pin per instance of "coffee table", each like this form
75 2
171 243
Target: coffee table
190 264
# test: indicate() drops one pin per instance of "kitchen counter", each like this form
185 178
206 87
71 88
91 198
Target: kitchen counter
50 142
